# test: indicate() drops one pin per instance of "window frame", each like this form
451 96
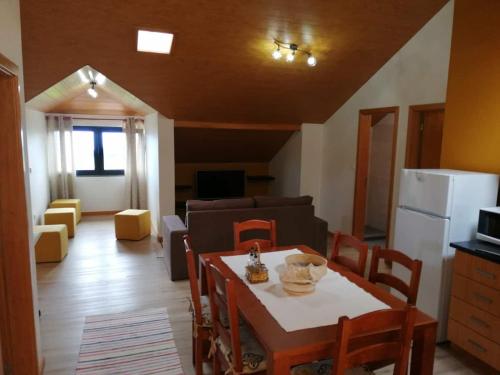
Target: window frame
99 151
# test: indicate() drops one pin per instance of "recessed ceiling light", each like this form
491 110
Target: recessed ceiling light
152 41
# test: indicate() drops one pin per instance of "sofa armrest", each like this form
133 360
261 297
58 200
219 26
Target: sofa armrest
321 235
173 247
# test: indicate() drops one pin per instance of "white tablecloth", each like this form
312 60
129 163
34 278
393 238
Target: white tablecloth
335 296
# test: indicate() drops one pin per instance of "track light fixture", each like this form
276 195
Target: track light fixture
91 90
293 49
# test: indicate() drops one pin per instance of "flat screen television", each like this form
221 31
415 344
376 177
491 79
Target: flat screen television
220 184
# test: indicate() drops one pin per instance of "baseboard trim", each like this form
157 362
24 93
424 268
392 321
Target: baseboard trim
96 213
41 366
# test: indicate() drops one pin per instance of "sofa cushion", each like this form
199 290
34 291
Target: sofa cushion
221 204
266 201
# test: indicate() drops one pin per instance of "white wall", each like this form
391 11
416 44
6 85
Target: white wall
166 153
10 47
36 133
310 164
101 193
160 160
285 168
152 170
416 74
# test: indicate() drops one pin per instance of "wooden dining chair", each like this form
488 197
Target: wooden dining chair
235 351
387 336
341 240
254 225
380 348
201 317
410 290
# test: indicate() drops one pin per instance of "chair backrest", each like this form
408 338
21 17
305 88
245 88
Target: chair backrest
254 225
222 295
344 240
193 281
378 347
413 265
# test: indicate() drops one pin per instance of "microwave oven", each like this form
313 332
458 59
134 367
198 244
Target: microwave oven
488 227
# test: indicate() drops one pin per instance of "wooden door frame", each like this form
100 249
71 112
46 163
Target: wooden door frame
362 162
412 133
17 316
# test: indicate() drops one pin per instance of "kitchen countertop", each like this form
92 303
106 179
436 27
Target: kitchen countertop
479 248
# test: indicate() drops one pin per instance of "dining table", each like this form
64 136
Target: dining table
286 349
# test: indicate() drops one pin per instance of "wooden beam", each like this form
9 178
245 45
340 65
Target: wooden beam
236 126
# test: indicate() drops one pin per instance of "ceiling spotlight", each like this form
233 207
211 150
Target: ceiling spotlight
277 54
91 90
311 60
294 50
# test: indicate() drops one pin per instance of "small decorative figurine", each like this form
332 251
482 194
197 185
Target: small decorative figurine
256 271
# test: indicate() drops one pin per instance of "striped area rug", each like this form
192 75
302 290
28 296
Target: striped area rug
129 343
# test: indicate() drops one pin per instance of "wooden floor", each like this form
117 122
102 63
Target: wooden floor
101 275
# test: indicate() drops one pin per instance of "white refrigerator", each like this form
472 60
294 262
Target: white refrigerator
436 207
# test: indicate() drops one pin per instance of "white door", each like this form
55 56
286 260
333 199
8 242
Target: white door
426 191
425 237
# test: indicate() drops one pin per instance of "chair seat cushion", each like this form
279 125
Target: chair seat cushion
253 355
325 368
206 314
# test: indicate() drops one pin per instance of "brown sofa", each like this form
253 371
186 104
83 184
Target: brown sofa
210 226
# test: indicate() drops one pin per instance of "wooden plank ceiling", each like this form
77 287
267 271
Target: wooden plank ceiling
212 145
221 68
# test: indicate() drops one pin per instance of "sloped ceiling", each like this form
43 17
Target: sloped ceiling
221 68
70 96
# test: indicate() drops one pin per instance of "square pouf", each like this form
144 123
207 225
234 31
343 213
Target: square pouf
52 246
62 216
69 203
132 224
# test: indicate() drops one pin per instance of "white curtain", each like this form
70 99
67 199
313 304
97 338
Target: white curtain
135 172
60 157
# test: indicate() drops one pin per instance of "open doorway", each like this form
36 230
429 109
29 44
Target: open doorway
425 135
377 136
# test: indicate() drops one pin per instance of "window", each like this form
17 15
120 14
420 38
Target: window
99 151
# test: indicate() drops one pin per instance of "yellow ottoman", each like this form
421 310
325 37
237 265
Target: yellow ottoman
52 246
69 203
132 224
62 216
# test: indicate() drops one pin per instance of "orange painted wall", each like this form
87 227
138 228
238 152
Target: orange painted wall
471 138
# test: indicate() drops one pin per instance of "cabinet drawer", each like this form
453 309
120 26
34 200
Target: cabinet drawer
478 295
474 343
479 321
478 269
